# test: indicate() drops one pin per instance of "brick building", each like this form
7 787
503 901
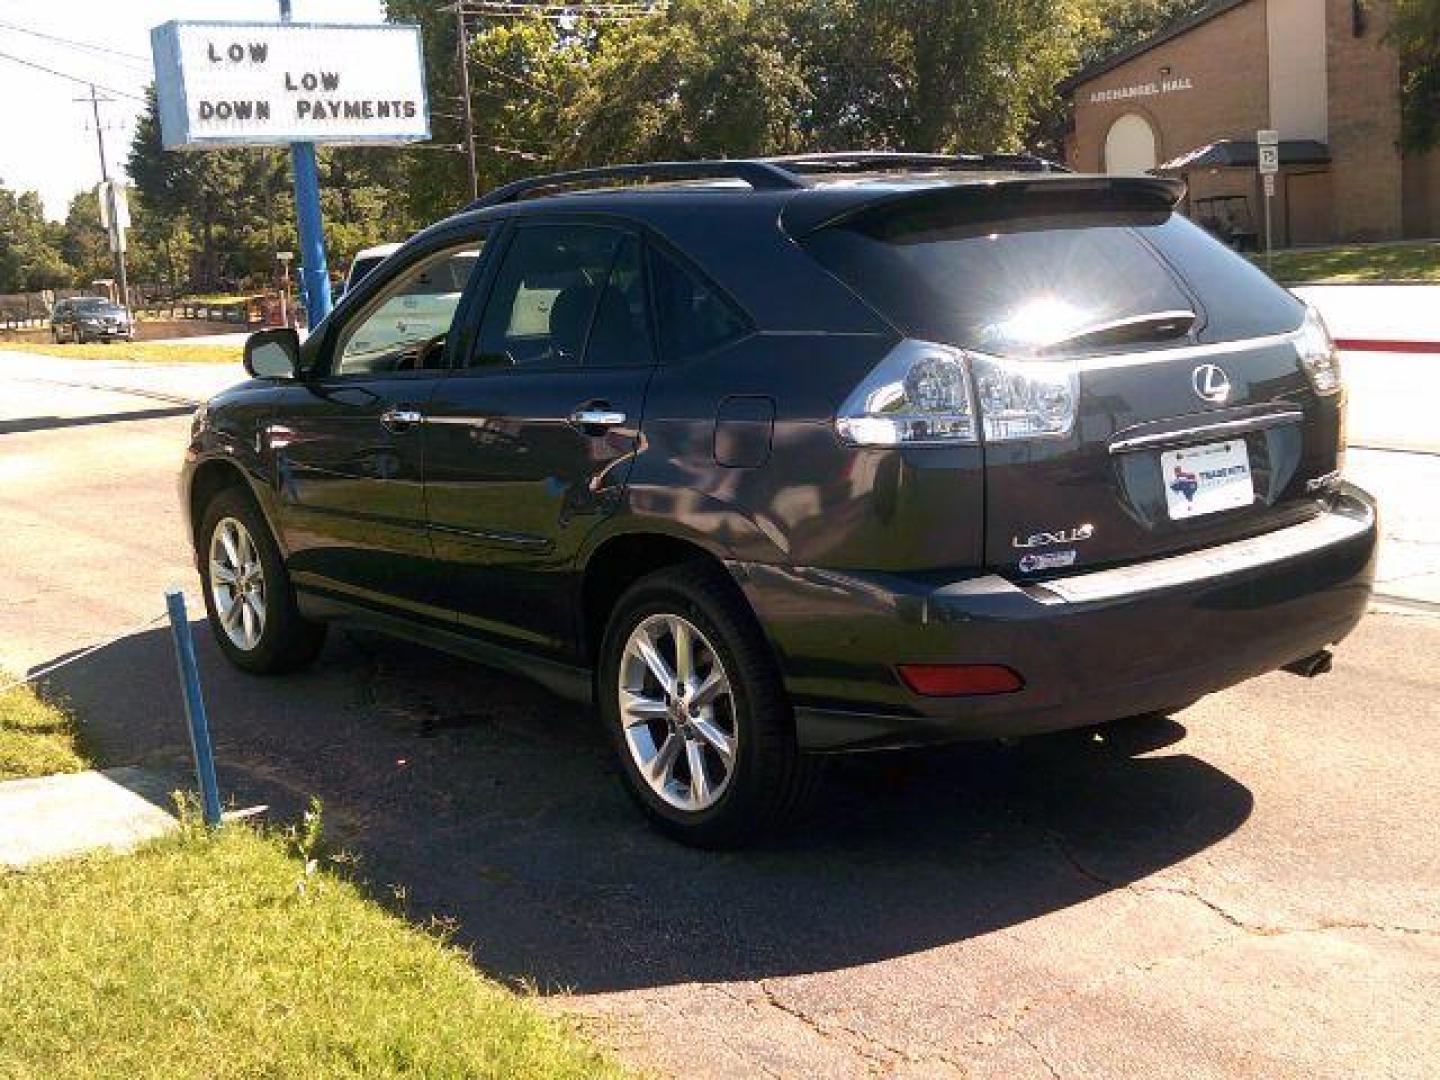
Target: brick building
1188 100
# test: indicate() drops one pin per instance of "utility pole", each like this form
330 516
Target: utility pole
117 244
465 98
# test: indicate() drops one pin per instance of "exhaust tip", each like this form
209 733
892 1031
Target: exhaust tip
1317 663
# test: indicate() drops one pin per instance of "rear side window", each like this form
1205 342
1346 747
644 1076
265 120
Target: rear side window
947 270
693 318
619 336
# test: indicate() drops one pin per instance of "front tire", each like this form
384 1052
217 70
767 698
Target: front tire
694 704
248 595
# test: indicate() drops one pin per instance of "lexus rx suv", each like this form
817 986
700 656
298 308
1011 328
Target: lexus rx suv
772 459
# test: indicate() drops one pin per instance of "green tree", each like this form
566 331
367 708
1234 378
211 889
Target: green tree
83 241
1121 23
30 246
1415 31
700 78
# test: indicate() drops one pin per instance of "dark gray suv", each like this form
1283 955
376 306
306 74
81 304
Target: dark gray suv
83 319
775 458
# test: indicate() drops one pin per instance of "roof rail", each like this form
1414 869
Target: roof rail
840 161
760 175
766 174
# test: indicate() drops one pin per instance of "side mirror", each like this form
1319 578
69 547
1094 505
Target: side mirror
273 354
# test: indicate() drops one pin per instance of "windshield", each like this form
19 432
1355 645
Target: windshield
97 306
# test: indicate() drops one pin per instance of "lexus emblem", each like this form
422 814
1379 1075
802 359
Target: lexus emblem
1211 383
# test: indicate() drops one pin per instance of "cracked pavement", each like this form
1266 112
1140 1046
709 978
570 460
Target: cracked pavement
1249 888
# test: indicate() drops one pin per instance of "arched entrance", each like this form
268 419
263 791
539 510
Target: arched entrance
1130 145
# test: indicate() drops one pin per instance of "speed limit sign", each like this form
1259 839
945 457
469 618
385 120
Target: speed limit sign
1267 141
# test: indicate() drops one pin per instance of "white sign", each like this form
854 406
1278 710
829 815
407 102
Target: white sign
259 84
1148 89
1269 179
1268 143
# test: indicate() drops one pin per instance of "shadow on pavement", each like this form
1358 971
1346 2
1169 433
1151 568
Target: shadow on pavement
494 805
49 423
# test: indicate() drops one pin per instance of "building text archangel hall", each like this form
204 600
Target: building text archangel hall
1188 100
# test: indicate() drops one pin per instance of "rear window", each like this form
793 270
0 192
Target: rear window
952 269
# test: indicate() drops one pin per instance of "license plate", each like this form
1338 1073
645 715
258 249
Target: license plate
1204 479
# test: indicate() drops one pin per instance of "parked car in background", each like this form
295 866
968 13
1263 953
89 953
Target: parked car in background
772 459
366 260
90 318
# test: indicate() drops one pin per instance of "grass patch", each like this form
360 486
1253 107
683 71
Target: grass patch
37 737
1362 262
228 955
139 351
216 299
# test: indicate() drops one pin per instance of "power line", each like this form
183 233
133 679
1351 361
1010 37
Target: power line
71 78
614 11
133 58
517 80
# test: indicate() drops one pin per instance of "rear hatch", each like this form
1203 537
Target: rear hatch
1193 420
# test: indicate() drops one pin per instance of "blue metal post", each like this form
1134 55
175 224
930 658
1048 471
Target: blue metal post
315 270
312 231
194 707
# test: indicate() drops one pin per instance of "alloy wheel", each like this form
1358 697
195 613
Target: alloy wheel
237 583
678 712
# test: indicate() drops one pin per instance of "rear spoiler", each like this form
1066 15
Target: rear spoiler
997 198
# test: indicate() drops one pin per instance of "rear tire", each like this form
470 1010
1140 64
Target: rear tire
248 595
728 693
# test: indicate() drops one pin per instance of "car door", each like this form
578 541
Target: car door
348 441
530 439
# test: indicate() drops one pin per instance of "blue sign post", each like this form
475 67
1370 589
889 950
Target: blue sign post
315 271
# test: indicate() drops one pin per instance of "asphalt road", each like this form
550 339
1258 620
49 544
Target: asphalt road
1249 888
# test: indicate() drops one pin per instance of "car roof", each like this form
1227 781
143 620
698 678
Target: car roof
817 200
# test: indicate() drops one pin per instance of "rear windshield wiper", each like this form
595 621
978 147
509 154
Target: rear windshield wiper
1130 329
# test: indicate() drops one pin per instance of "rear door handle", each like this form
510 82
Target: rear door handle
399 418
597 419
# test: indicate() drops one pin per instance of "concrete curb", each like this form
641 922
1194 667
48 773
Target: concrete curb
55 817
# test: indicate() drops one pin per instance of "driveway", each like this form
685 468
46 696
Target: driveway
1249 888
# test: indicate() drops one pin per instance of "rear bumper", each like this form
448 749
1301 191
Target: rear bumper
1091 647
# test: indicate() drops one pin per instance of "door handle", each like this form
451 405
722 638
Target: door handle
398 418
597 417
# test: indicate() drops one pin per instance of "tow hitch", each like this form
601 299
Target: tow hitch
1317 663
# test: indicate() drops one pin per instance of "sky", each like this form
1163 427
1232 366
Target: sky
47 140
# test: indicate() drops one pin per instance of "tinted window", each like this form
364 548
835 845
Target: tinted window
1042 269
546 294
404 328
1240 300
619 336
692 317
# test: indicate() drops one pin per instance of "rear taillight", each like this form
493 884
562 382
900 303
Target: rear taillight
918 395
959 680
1025 399
921 395
1317 353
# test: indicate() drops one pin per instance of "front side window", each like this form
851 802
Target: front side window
404 328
